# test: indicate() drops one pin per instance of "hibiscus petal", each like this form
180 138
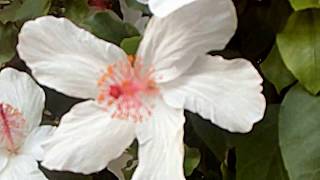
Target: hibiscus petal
226 92
87 140
163 8
20 91
65 57
171 44
161 145
4 159
32 144
22 167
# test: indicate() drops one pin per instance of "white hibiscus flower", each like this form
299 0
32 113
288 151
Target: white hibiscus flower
21 106
144 97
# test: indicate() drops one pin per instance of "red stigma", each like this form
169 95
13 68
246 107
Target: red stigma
115 91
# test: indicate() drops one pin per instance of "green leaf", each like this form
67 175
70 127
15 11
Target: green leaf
191 160
299 134
134 4
8 14
108 26
76 10
258 153
31 9
275 70
130 45
226 173
299 46
258 25
132 164
215 138
8 35
130 169
304 4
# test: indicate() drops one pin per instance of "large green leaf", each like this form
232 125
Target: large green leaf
258 153
8 42
304 4
76 10
8 14
108 26
299 46
32 8
258 25
227 174
215 138
299 134
275 70
191 160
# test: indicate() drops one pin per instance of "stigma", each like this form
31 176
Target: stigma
127 90
12 126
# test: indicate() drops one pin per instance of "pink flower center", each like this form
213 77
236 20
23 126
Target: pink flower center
127 90
12 126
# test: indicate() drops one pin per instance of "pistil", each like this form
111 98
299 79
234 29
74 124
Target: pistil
127 90
11 123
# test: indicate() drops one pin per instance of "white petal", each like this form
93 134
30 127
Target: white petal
87 140
20 91
118 164
161 145
65 57
4 159
226 92
32 144
162 8
171 44
22 167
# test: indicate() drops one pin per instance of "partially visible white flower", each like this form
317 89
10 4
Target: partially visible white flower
21 106
133 16
162 8
142 97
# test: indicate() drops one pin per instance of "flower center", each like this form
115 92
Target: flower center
127 90
12 126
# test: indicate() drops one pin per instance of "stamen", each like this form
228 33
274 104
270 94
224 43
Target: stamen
12 126
131 59
127 90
